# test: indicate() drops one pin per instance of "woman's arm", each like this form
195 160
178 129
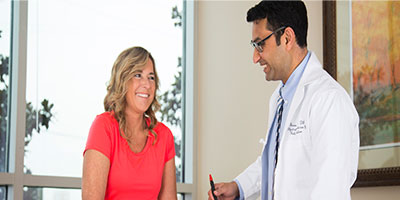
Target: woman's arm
95 174
168 185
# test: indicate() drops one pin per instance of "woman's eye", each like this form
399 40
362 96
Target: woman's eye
137 75
152 78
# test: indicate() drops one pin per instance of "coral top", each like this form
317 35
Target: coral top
132 175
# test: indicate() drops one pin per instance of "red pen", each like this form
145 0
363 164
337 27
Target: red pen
212 187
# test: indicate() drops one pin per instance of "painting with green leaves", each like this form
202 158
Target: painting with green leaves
376 71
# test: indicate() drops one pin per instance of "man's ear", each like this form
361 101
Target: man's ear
289 38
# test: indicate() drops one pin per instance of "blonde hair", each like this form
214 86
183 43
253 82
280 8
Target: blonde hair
129 61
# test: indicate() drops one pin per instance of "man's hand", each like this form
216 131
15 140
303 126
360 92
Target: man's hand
225 191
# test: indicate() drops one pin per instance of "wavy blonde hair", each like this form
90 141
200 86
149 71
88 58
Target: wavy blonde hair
129 61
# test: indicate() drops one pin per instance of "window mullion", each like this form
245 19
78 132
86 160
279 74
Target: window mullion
6 178
190 90
17 97
52 181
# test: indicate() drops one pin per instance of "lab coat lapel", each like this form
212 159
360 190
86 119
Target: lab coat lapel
310 74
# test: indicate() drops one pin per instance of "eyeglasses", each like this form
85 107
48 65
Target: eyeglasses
258 45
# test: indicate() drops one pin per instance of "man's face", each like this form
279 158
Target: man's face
273 57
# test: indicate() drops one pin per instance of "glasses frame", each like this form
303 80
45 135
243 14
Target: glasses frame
258 45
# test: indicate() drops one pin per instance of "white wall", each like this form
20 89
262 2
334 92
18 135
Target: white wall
233 94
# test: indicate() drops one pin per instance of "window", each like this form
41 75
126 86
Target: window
68 41
59 84
36 193
2 193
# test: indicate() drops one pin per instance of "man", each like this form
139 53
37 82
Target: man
311 150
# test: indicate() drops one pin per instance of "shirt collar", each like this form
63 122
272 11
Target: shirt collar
288 89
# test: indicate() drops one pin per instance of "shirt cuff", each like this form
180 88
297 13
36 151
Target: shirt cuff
241 195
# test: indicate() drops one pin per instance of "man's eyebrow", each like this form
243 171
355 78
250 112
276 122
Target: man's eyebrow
257 39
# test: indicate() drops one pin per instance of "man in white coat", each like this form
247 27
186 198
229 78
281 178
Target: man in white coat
311 149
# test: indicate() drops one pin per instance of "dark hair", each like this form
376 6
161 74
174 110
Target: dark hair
282 13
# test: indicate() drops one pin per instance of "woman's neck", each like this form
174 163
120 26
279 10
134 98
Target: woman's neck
134 123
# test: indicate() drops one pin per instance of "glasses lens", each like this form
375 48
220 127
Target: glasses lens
256 46
259 48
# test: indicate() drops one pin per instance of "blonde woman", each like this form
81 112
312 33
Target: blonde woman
129 155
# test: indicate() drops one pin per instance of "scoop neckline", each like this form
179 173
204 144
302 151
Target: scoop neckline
146 147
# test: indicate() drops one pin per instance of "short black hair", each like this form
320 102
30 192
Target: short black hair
282 13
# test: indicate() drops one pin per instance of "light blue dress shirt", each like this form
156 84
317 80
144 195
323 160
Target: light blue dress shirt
287 91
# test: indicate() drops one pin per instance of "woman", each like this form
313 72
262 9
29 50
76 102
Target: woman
129 155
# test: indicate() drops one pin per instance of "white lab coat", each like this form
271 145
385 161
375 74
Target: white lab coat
318 152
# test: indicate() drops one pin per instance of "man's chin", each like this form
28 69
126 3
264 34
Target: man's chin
269 78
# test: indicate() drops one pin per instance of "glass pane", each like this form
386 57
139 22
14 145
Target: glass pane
36 193
3 194
72 46
5 13
170 95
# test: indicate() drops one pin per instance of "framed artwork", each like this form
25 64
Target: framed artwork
362 52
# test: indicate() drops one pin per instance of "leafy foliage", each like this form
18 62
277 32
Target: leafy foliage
171 100
177 15
42 117
379 115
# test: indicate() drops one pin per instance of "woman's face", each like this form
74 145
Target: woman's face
141 89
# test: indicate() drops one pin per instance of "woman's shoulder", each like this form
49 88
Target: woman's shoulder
161 127
162 130
106 117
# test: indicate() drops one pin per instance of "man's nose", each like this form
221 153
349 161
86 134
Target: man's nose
256 56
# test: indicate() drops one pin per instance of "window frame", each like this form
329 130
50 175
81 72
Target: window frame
15 179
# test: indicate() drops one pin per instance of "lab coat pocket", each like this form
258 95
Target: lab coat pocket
298 132
297 127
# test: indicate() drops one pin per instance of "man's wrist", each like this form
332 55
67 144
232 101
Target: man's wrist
239 192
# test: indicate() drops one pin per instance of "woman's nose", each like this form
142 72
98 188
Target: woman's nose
145 82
